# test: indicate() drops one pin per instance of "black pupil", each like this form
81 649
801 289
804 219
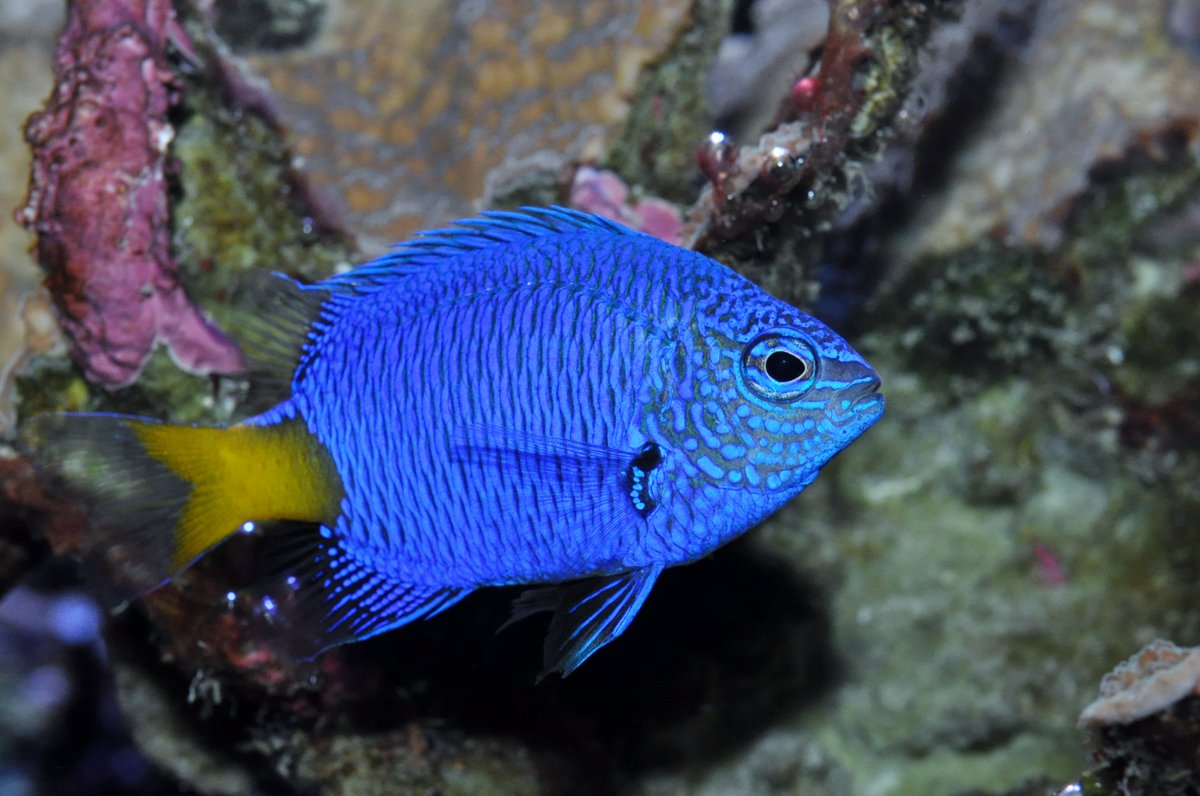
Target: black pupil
784 367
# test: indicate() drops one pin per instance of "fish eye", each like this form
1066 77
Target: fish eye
779 366
785 367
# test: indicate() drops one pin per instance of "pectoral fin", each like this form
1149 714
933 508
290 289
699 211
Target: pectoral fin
600 493
587 615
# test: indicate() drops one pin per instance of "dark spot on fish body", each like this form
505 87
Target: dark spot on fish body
637 478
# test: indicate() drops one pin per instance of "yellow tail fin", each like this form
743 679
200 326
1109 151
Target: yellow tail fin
160 495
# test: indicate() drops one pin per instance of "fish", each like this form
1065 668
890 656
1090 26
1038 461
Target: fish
538 397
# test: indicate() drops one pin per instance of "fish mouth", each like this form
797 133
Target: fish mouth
864 406
871 404
868 389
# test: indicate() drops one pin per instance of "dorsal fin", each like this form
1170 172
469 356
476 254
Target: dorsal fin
276 317
278 313
487 230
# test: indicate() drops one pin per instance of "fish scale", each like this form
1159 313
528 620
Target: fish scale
542 397
463 521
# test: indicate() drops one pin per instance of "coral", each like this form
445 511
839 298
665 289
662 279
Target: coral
1183 22
167 732
1070 125
269 24
401 112
670 110
98 196
761 211
603 193
1145 726
986 308
405 761
930 616
754 68
239 203
1155 677
26 61
38 334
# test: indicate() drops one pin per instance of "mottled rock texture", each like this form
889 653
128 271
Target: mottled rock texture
404 112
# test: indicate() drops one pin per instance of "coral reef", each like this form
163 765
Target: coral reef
1158 675
603 193
1145 725
757 66
998 200
26 59
766 201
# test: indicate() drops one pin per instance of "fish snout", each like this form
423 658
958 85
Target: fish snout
854 379
856 387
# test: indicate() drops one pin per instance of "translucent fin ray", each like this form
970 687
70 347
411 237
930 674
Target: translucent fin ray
134 501
276 318
334 599
159 495
587 615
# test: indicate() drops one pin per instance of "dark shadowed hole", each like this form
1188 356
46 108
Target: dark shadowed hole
722 650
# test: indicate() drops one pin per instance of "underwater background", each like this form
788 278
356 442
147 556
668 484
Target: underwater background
997 202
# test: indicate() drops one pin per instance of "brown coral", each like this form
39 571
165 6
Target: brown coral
402 111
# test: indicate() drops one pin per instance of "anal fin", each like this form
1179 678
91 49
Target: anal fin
587 615
331 598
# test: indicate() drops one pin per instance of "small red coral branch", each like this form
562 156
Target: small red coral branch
98 199
751 186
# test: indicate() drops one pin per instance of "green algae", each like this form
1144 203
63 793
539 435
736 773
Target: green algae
1128 247
984 310
656 150
52 384
892 64
1106 299
238 205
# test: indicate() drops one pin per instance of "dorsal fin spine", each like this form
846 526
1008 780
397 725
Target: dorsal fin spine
487 230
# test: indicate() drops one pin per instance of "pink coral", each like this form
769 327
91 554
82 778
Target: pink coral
98 199
603 193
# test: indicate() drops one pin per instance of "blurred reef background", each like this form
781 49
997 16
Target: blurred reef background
996 201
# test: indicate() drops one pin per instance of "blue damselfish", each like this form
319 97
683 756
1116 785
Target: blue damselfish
537 397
